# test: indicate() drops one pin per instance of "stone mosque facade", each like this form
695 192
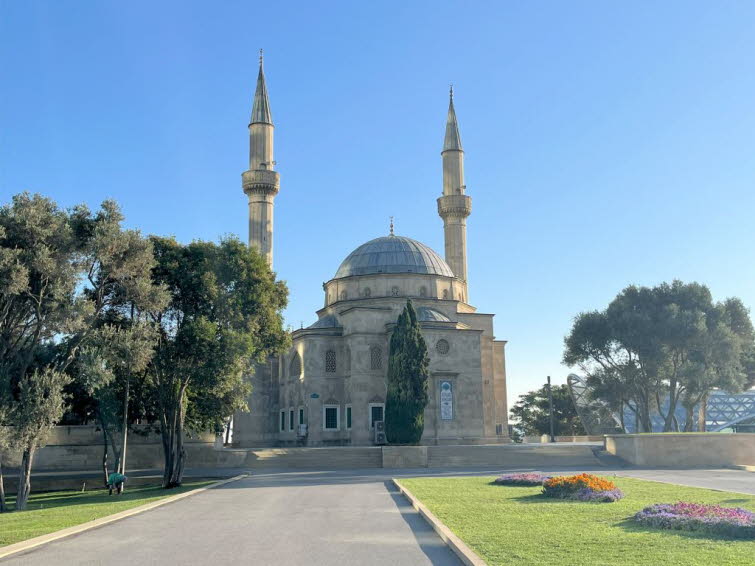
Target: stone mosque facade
329 389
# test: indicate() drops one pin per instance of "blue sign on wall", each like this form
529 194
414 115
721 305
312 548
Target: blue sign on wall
315 396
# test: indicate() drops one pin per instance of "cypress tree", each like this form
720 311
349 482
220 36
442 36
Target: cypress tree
407 381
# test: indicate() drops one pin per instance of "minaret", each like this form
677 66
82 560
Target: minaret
454 206
261 182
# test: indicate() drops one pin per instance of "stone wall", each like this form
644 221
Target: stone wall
81 448
683 450
545 438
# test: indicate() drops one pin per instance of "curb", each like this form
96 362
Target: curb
744 468
31 543
465 554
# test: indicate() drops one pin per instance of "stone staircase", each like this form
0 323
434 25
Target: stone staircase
336 458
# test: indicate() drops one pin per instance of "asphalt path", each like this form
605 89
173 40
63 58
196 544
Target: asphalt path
276 519
285 518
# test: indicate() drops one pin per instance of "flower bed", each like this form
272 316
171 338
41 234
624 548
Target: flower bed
524 479
582 487
726 521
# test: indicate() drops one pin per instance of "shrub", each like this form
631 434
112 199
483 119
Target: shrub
582 487
607 496
524 479
732 522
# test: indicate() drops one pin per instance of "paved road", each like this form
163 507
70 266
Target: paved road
281 519
350 517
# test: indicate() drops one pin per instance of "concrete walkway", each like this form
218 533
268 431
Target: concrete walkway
276 519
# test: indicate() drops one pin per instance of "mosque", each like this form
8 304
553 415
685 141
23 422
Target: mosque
329 389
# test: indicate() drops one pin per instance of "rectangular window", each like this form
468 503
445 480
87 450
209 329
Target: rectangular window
301 415
291 419
348 417
330 417
283 421
376 413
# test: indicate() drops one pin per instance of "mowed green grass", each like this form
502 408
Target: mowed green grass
516 525
55 510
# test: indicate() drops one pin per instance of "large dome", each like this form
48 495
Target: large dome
393 254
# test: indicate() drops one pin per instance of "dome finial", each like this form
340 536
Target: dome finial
392 226
261 54
451 91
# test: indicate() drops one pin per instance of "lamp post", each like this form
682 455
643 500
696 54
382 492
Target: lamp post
550 408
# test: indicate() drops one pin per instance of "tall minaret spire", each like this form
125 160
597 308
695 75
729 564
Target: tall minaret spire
454 206
261 182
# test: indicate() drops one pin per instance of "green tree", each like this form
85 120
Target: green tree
408 374
59 272
106 372
224 314
654 348
532 413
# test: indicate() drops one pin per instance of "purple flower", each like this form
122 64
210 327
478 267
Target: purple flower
587 494
525 479
727 521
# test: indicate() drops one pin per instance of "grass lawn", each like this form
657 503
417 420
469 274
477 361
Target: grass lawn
55 510
516 525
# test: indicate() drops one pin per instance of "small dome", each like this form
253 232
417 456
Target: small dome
393 254
328 321
426 314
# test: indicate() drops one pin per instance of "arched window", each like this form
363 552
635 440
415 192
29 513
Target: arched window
344 295
394 291
330 361
442 347
423 291
376 358
445 293
294 369
367 292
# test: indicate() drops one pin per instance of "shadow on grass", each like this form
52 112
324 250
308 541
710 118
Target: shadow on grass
629 525
58 499
540 498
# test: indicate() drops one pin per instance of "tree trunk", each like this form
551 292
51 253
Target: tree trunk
180 453
690 418
702 413
122 468
104 456
227 440
669 417
3 507
24 480
643 416
621 417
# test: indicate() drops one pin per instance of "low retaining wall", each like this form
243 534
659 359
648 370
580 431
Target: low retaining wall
81 448
683 450
545 439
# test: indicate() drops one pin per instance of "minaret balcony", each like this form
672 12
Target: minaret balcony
454 205
261 180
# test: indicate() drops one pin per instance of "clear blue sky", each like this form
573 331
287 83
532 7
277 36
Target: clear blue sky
606 143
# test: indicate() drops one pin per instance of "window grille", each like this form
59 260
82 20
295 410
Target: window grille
295 367
376 358
330 361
